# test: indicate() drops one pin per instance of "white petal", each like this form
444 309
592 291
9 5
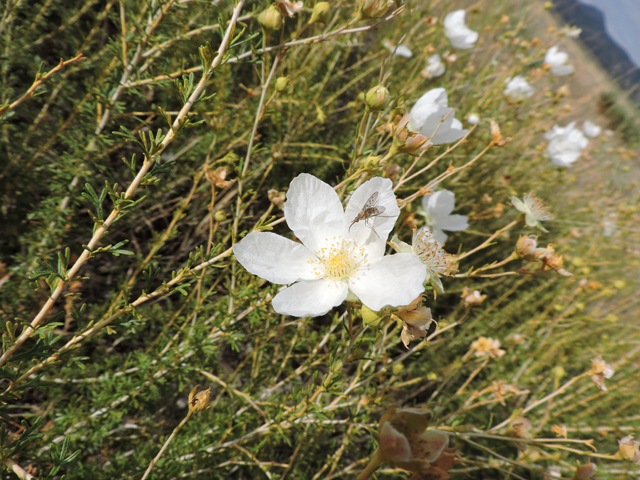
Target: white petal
440 204
403 51
313 211
372 233
562 70
400 246
453 223
439 235
454 19
450 131
274 258
519 204
591 129
394 280
310 298
437 96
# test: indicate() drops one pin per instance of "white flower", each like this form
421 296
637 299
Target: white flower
427 113
337 258
533 209
434 68
518 87
591 129
437 209
425 246
566 144
400 50
571 32
457 32
473 119
557 62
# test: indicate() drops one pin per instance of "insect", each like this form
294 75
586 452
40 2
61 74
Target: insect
371 209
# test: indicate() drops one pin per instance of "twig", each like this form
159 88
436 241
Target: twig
166 444
40 79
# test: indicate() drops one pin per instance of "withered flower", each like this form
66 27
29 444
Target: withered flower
472 298
405 442
416 321
600 370
629 449
487 346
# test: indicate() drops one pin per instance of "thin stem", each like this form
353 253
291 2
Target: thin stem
166 444
542 400
372 466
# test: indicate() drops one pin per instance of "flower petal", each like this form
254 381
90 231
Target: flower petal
313 211
519 204
394 280
440 204
274 258
453 223
374 231
310 298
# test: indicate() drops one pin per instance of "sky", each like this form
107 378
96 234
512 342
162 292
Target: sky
622 21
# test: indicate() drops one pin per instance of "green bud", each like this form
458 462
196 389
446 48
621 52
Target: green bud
282 84
220 216
270 19
558 372
371 318
373 8
377 98
321 13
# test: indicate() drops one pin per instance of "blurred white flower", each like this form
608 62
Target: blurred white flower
400 50
337 259
565 145
427 113
609 225
457 32
591 129
434 68
473 119
437 210
557 62
518 87
571 32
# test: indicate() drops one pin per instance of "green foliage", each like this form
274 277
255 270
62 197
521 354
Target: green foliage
106 370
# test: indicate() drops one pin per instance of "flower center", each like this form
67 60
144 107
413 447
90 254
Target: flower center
339 260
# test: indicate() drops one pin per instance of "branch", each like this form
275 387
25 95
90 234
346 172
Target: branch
40 79
149 162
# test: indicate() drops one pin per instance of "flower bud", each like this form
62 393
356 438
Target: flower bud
585 471
321 13
373 8
406 141
199 400
526 247
377 98
371 318
282 84
270 19
220 216
372 162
